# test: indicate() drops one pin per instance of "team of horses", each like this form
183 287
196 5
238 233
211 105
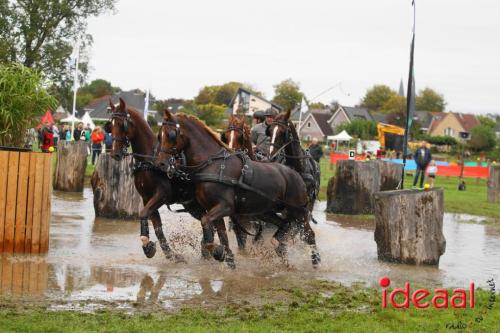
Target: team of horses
214 177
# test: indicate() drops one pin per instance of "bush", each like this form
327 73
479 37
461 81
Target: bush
360 128
22 99
482 138
439 140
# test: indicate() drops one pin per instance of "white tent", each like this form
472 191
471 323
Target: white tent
70 119
87 120
342 136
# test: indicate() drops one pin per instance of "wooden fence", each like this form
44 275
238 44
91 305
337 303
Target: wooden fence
25 192
23 278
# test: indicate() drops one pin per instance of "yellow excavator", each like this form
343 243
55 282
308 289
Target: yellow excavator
393 131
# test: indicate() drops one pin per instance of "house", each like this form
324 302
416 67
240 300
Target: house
452 123
315 125
98 108
346 114
249 103
425 119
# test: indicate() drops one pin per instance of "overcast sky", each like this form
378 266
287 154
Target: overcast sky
176 47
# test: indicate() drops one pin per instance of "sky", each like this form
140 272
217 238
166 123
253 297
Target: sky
175 48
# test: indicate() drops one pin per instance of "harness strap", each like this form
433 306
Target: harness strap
211 178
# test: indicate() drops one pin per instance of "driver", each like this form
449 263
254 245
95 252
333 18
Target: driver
261 141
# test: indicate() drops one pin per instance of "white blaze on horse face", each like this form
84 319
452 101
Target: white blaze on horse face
231 139
271 148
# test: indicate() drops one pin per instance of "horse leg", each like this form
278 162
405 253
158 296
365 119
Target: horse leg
223 252
281 236
241 236
150 206
169 253
310 239
217 212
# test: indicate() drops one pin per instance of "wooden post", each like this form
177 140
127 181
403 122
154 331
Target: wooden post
355 182
115 195
70 166
25 196
409 226
494 184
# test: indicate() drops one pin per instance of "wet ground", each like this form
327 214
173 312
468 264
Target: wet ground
94 263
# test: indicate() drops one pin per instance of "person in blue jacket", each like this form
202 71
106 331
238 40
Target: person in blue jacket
422 158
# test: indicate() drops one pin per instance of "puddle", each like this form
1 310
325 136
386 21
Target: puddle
98 263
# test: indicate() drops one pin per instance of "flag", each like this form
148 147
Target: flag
410 98
303 106
146 105
303 109
75 54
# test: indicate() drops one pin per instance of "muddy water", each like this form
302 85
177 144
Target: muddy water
95 263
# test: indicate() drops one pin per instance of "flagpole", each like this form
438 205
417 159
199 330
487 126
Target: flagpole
75 87
410 98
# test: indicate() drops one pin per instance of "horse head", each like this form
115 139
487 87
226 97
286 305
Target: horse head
120 129
279 131
172 140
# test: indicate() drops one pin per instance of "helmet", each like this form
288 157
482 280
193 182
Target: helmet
259 114
270 113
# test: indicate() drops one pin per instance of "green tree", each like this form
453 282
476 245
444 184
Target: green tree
225 93
287 94
376 97
22 99
40 34
318 106
482 138
98 88
206 95
487 121
360 128
211 114
430 100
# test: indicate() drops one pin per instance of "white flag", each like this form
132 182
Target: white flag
303 106
74 55
146 105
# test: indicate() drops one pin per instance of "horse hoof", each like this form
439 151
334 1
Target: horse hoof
316 259
219 253
149 249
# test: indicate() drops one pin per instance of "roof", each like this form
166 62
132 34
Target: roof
467 121
425 117
98 108
379 117
357 113
322 117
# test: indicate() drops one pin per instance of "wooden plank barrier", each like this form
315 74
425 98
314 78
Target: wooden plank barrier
25 196
23 278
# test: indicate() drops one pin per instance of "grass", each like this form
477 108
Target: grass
318 306
471 201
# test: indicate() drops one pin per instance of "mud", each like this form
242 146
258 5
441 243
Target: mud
98 263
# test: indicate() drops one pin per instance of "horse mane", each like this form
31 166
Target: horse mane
204 126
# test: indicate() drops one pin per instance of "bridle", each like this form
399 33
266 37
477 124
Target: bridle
234 128
279 155
126 142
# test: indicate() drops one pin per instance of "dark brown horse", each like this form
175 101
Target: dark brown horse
285 148
156 190
229 184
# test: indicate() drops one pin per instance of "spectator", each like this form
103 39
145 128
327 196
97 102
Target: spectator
97 138
88 133
422 158
47 138
315 150
108 138
431 172
55 130
77 133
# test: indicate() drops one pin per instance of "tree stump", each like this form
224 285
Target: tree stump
351 190
409 226
115 195
494 184
70 166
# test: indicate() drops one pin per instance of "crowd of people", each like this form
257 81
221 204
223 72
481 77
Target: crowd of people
49 135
